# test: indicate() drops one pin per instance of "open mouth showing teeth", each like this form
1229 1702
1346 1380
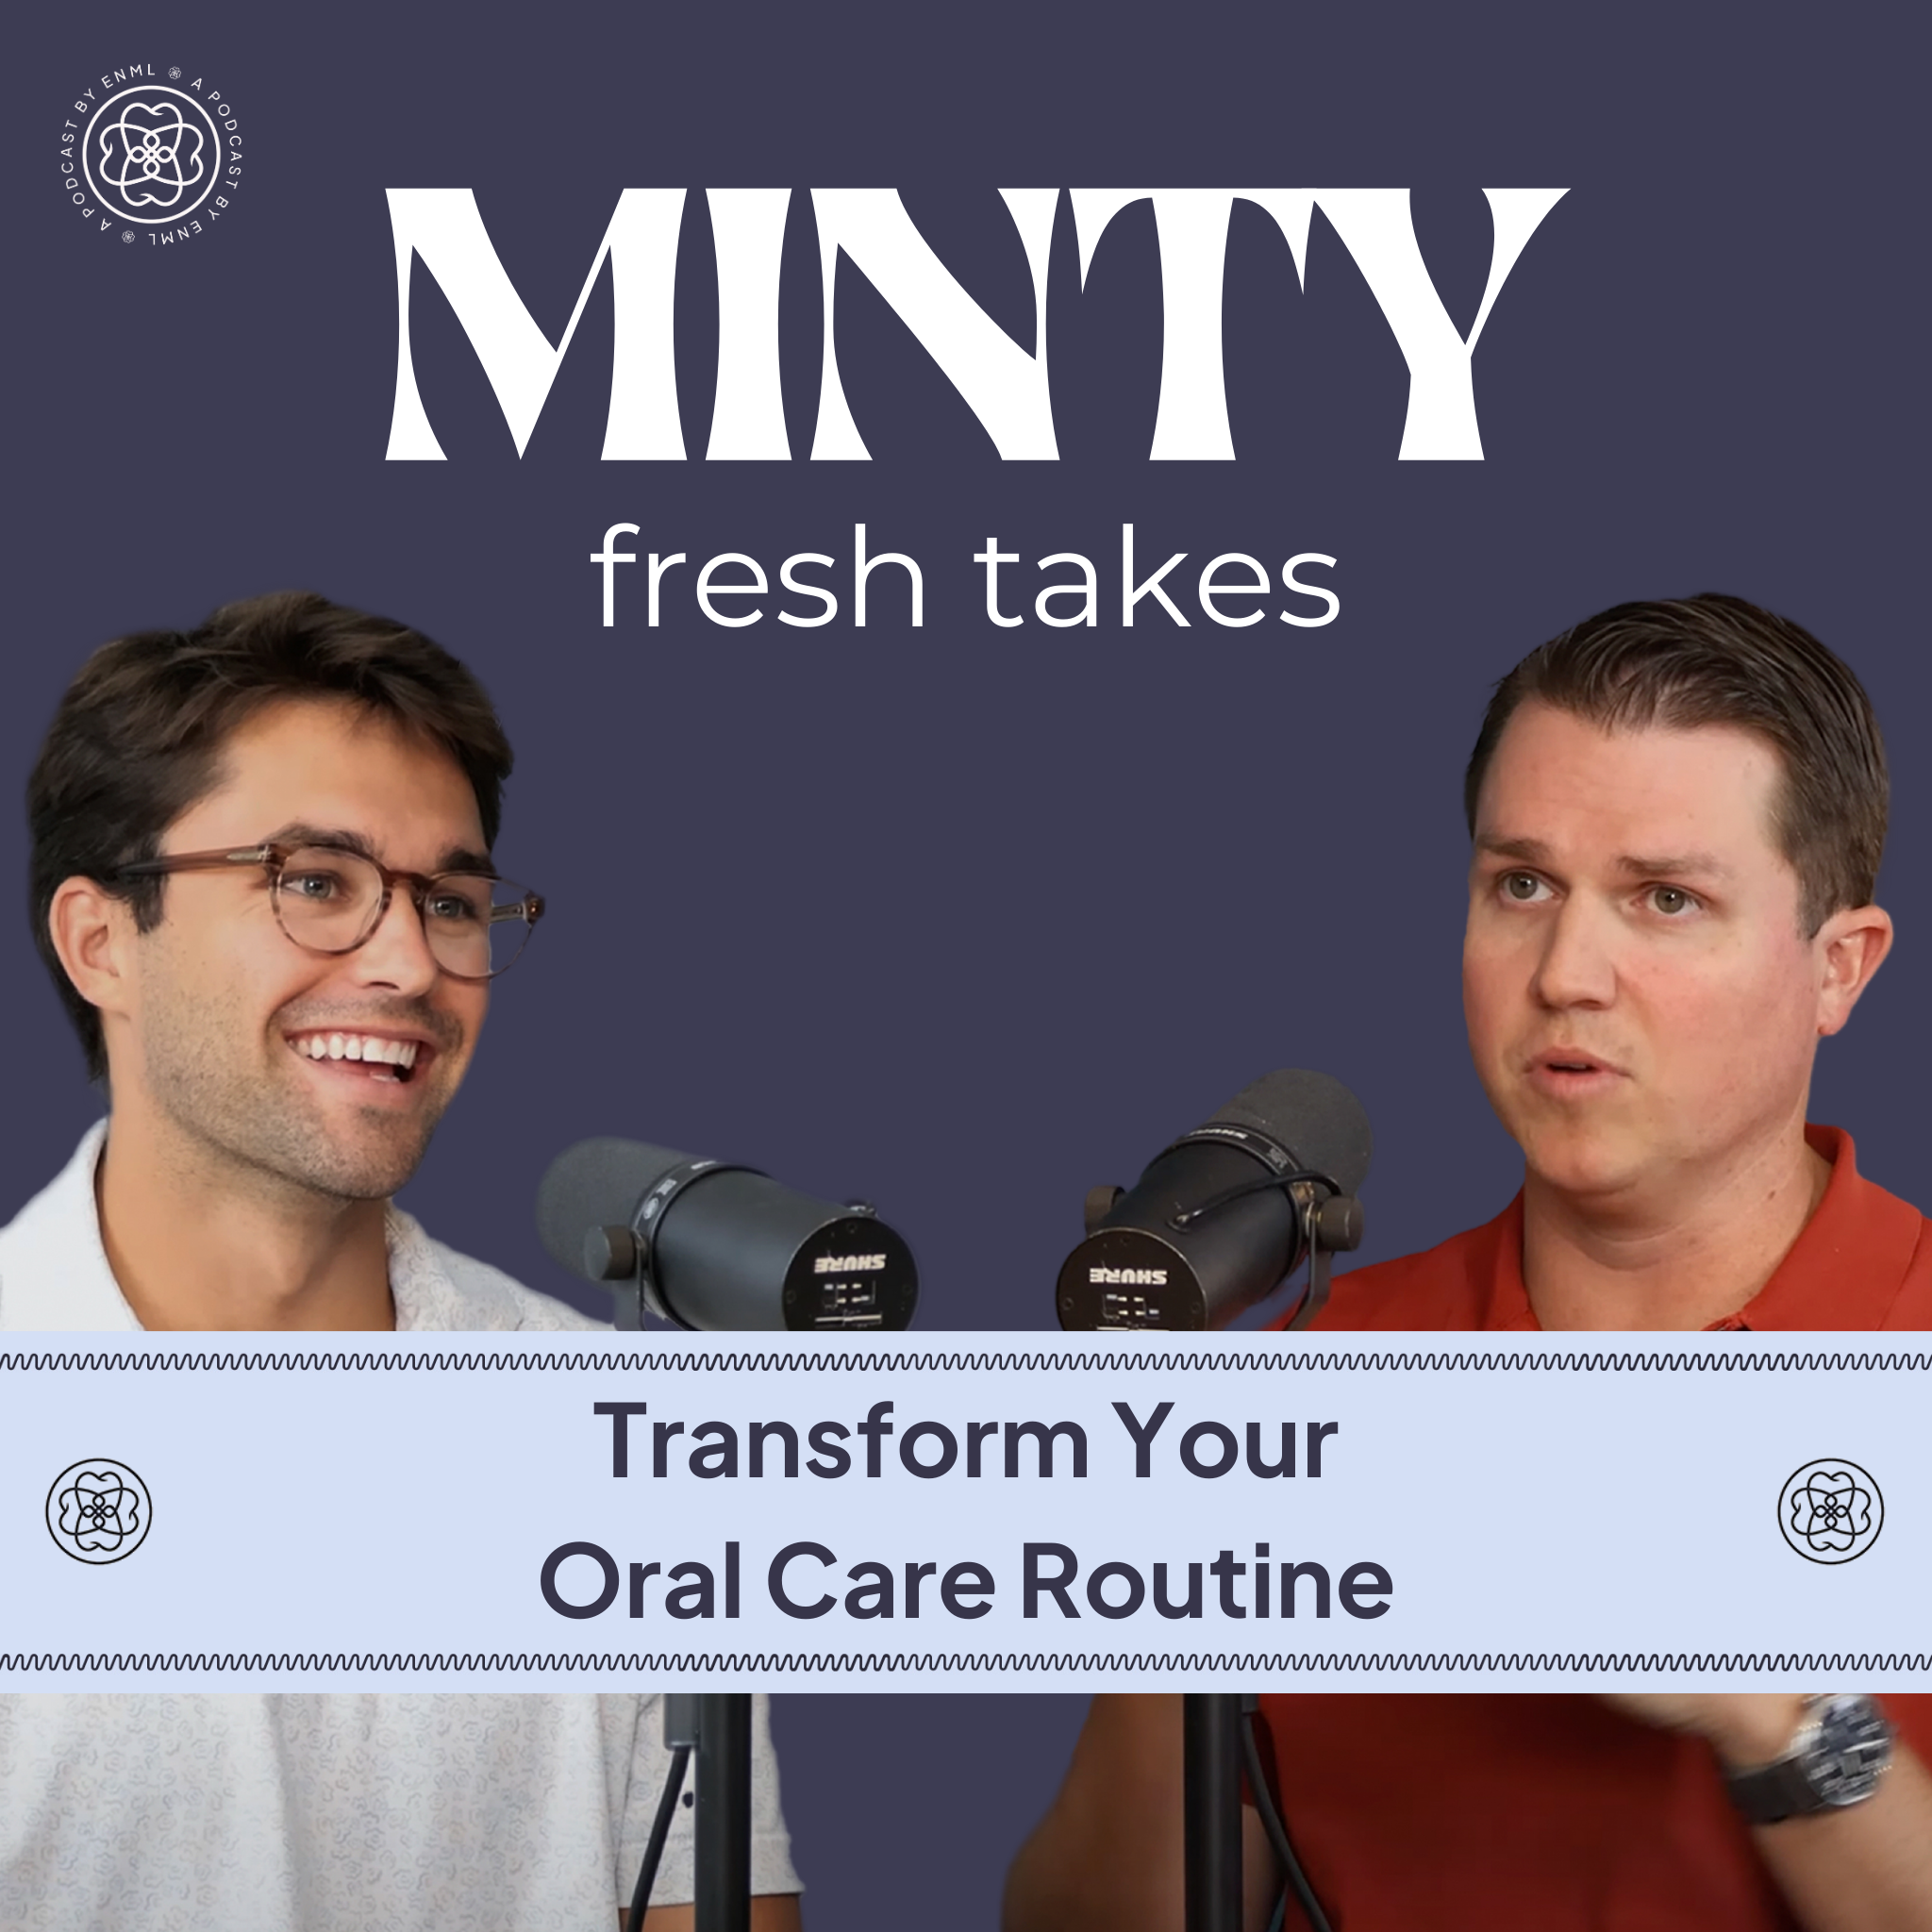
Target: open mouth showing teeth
387 1059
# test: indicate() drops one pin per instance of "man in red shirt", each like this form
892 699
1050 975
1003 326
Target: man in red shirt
1676 813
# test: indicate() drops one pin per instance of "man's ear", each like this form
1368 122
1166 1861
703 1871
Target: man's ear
92 932
1852 945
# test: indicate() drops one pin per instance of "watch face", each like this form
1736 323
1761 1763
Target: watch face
1853 1747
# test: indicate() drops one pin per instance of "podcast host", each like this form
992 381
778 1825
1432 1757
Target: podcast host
262 882
1676 813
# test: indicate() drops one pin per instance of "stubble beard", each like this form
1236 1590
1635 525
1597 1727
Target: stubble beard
260 1122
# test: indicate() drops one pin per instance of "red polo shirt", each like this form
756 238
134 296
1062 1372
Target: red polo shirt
1527 1812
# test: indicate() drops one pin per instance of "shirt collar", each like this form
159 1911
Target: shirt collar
54 1276
424 1291
1845 1271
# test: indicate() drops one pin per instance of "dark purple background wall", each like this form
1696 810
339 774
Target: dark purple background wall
962 918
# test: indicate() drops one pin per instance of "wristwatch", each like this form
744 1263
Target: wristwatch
1842 1748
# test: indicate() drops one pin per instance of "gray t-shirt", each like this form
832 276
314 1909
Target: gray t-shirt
391 1812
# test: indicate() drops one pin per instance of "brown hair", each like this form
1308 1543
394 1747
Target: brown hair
1712 659
138 736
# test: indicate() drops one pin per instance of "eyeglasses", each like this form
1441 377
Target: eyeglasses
328 899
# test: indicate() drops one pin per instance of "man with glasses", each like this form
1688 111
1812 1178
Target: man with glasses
262 882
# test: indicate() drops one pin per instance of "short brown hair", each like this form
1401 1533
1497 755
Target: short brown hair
1712 659
138 736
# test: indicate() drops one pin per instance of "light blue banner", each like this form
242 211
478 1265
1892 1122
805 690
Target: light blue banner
965 1511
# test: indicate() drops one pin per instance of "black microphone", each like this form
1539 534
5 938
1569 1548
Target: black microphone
708 1245
1225 1214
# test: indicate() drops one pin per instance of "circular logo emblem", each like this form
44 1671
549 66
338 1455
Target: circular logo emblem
1830 1511
151 154
98 1510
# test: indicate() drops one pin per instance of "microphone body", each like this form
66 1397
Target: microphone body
1218 1219
714 1246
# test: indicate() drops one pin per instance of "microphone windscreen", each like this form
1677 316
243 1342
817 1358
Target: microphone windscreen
1315 1117
597 1183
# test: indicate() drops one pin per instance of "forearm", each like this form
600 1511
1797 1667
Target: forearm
1863 1868
1867 1867
1110 1856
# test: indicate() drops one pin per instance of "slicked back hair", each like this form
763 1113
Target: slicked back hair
139 739
1714 660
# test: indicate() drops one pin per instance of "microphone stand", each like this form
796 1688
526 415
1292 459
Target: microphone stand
718 1725
1211 1722
1211 1753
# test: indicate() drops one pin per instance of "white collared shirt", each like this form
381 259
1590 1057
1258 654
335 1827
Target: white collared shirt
392 1812
54 1271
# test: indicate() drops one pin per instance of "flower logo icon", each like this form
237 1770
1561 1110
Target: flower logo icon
98 1510
1830 1511
152 155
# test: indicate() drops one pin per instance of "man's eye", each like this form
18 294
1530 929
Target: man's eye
316 886
453 909
1671 900
1522 886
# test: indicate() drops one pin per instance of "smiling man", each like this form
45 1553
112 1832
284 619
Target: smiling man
1677 813
262 882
